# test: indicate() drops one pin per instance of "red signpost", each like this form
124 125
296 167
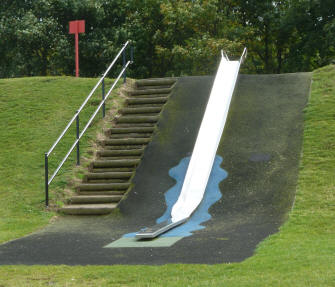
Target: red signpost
76 27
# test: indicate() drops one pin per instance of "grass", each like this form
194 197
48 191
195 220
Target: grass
301 254
33 112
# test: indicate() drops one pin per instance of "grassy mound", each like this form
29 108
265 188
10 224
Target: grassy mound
301 254
33 112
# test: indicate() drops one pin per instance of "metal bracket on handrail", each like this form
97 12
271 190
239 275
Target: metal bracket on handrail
76 118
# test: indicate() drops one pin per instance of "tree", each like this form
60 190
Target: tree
191 37
171 37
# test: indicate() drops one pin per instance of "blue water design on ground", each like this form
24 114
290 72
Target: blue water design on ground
201 215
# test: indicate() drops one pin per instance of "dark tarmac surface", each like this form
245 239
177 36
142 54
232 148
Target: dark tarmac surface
260 147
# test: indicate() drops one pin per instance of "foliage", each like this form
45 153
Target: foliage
192 35
171 37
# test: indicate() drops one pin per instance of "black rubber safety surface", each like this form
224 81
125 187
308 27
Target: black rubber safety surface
261 147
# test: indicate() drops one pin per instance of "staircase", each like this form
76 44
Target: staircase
109 176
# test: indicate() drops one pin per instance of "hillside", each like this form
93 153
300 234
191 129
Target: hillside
33 112
301 254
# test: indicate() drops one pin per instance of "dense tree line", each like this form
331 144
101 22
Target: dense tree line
171 37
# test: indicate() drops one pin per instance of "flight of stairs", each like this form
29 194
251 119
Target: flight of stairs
109 176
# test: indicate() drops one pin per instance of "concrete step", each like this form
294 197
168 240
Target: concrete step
150 87
126 142
108 175
149 105
122 147
141 110
102 192
146 96
105 180
155 82
157 91
130 135
111 153
137 119
124 157
139 115
115 163
129 94
138 125
103 186
78 199
111 169
88 209
130 130
144 100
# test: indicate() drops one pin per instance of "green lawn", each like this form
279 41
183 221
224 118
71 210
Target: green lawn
301 254
33 112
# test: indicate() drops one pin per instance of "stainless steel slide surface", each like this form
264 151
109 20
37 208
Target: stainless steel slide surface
205 148
208 140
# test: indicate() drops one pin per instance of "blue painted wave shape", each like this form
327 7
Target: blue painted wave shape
201 215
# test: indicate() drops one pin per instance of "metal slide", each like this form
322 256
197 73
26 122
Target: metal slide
205 148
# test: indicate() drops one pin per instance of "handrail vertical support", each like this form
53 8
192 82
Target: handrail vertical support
124 64
46 169
103 97
131 54
77 134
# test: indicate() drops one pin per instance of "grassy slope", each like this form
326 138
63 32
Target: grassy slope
33 111
301 254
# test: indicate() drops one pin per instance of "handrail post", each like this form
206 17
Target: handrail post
77 133
103 97
46 170
131 54
124 64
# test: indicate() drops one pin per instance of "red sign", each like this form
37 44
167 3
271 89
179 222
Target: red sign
77 26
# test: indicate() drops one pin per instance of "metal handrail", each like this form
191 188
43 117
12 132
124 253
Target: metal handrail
87 125
87 99
76 117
